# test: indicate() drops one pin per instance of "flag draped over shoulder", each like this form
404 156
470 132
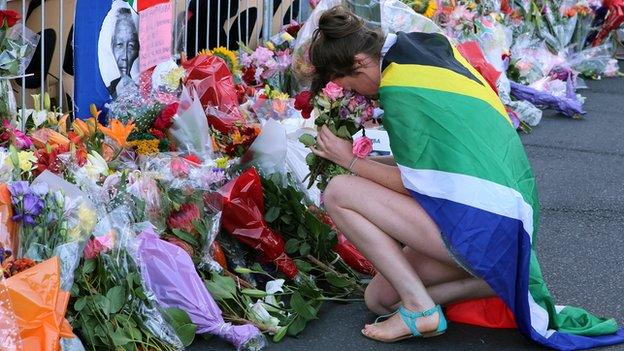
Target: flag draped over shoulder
461 159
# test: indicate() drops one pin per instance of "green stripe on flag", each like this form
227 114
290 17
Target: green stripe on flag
432 129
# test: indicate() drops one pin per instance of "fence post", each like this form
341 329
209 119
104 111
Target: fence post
267 22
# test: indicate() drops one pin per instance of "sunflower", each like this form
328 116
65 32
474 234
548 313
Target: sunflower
204 52
228 56
432 7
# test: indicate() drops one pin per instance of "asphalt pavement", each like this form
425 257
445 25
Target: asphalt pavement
579 165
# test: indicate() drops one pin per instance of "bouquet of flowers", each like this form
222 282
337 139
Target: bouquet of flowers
344 113
268 65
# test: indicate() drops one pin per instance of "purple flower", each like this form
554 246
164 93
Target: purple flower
344 113
19 189
31 207
40 189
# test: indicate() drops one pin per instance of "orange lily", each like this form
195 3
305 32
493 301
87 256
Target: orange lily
85 128
44 136
118 131
237 138
62 124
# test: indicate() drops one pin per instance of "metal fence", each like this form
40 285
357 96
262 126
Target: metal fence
198 24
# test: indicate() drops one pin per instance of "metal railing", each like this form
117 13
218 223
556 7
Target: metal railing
209 27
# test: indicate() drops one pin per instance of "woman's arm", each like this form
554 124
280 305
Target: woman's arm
386 160
340 151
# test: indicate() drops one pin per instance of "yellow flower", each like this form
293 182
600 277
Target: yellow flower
432 7
26 160
269 45
222 162
86 220
173 78
237 138
204 52
145 147
228 56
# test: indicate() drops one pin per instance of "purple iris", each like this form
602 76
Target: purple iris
32 207
19 189
344 112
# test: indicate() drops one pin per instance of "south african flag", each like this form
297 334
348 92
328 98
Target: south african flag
461 159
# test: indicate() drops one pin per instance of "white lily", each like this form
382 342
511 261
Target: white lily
96 165
272 287
259 314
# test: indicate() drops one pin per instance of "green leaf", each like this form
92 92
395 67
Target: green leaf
186 237
302 232
297 326
117 297
221 288
120 338
343 132
80 304
182 324
303 266
272 214
88 266
307 140
103 303
299 305
304 250
281 333
337 281
292 245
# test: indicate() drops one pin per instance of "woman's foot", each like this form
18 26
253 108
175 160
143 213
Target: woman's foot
395 329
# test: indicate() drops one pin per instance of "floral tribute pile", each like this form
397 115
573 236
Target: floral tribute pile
190 204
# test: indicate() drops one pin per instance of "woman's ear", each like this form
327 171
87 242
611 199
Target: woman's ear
363 60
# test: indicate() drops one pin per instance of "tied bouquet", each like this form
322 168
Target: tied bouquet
344 112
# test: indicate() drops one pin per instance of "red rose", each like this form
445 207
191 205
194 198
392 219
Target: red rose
158 134
193 159
165 118
293 28
249 75
241 93
303 103
184 217
11 17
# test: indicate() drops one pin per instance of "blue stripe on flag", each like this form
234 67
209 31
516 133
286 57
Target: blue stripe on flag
498 249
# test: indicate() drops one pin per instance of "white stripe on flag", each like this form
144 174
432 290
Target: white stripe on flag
484 195
472 191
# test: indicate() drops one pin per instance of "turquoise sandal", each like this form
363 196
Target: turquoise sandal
409 318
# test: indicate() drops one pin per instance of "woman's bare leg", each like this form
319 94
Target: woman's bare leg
376 219
444 284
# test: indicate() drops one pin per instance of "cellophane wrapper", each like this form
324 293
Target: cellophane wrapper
119 262
169 274
10 339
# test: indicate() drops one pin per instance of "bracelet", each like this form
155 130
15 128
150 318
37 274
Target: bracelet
353 161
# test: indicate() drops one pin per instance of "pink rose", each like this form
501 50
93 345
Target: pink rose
97 245
333 91
362 147
179 167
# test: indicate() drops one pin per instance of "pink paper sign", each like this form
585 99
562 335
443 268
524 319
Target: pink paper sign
155 30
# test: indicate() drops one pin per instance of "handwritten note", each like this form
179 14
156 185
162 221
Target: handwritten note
155 28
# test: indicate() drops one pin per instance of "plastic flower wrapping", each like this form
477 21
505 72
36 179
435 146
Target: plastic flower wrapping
203 170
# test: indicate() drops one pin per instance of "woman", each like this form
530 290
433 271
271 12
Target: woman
454 217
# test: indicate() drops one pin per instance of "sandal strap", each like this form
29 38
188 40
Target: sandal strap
410 317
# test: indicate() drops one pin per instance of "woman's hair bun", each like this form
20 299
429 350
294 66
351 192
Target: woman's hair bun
338 22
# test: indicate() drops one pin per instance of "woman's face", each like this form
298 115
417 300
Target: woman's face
366 78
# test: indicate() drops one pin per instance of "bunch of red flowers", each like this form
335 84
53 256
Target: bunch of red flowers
164 121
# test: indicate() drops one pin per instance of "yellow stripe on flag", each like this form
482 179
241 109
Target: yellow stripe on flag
436 78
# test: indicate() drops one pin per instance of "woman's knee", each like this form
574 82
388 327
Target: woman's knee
334 194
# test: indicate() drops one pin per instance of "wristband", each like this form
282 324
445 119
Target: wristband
353 161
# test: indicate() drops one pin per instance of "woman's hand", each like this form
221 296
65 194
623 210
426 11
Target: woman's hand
333 148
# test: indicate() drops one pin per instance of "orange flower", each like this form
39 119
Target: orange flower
84 128
62 125
237 138
43 136
118 131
